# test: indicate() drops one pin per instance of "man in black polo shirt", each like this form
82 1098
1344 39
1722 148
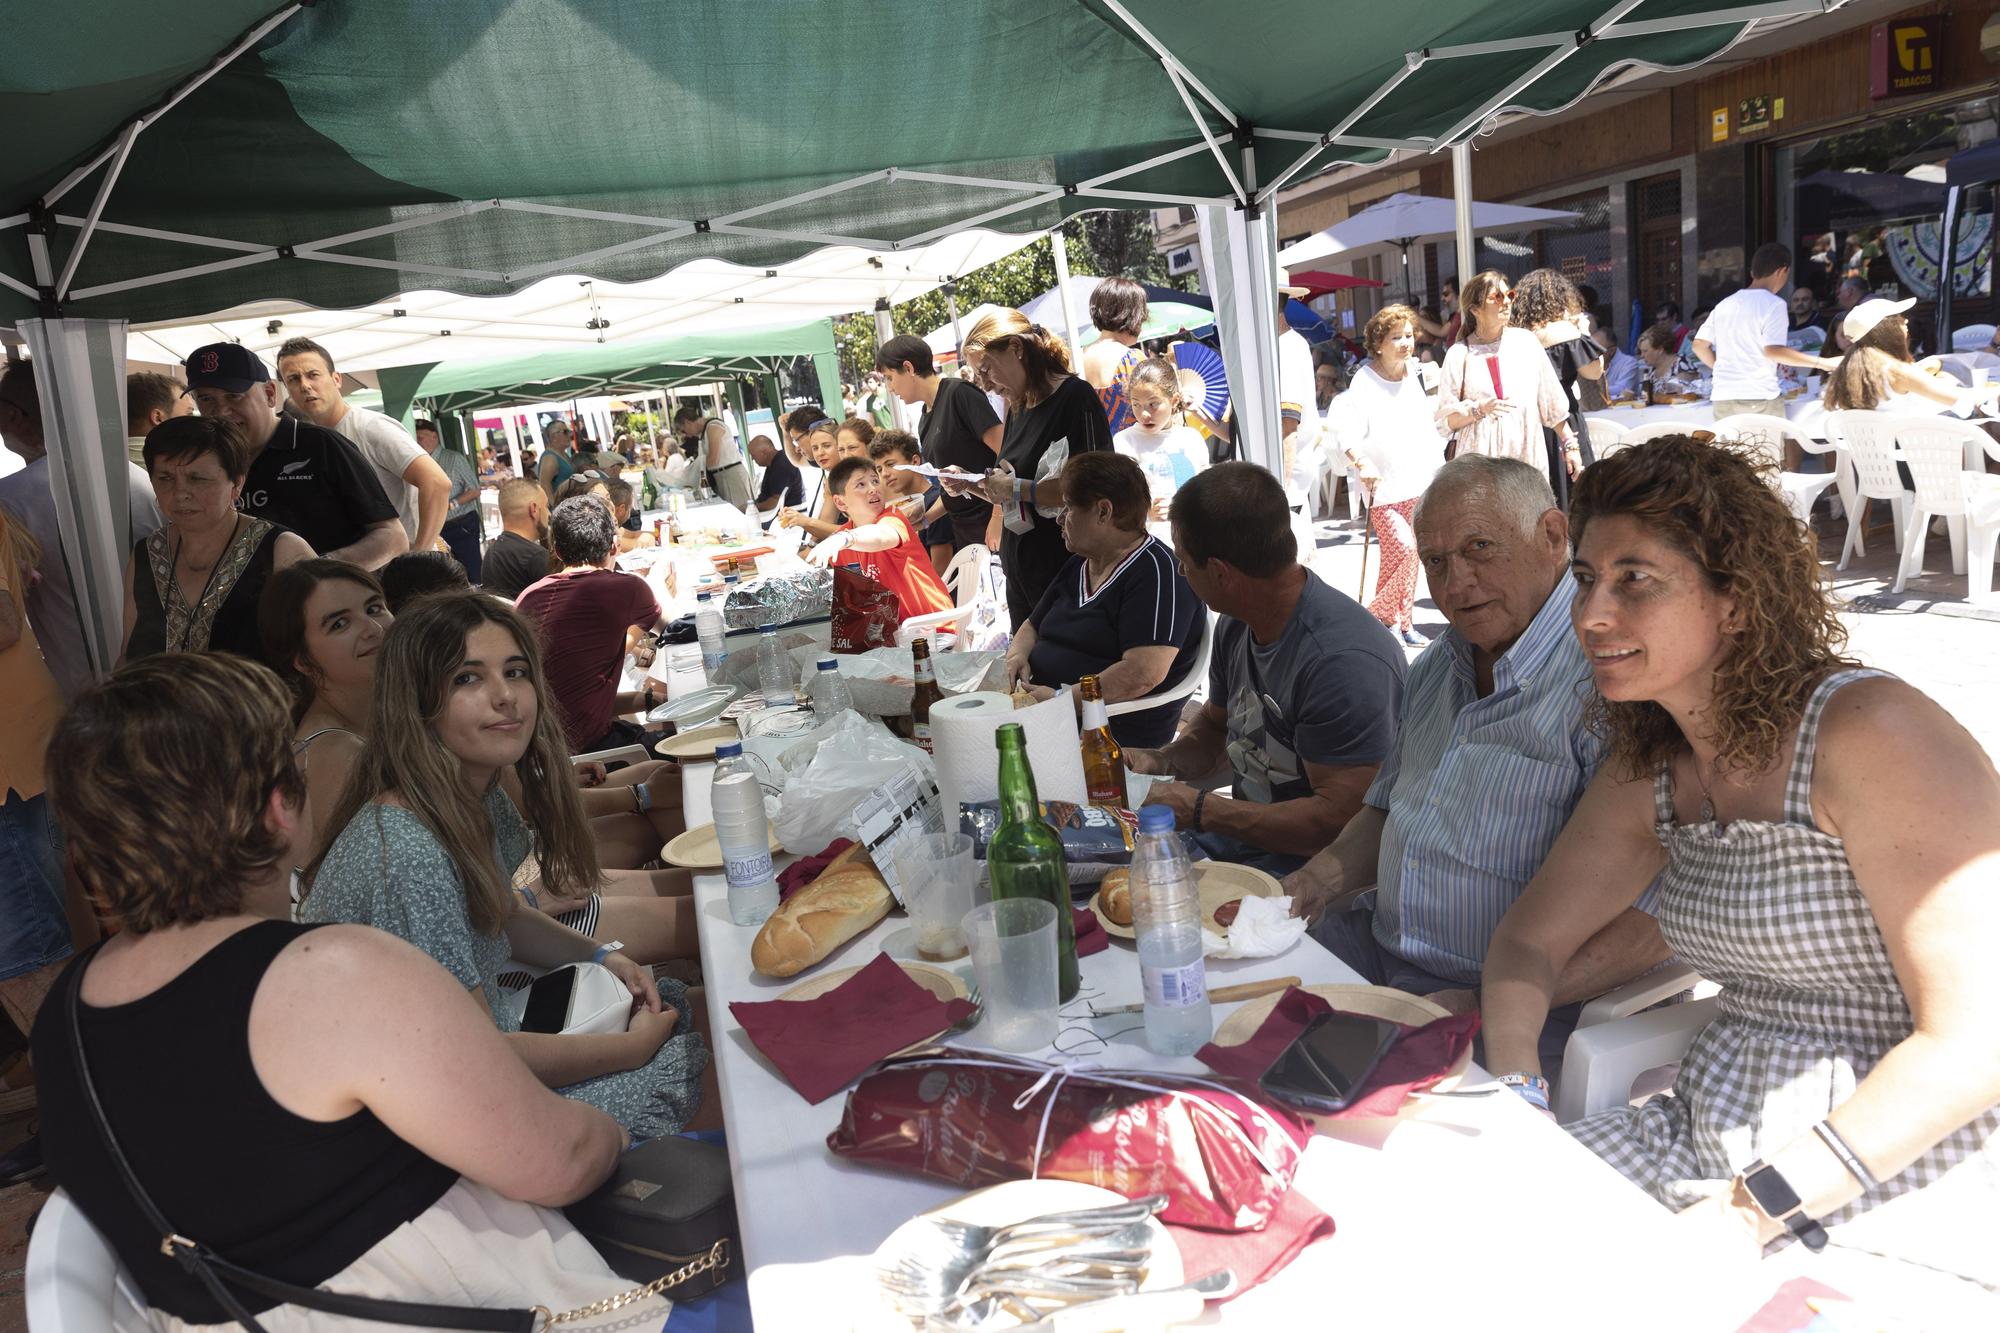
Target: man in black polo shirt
304 477
959 429
782 484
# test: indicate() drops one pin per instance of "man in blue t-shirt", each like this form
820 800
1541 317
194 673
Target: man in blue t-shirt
782 486
1303 683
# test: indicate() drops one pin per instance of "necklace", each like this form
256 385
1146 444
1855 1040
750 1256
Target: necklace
1707 797
194 611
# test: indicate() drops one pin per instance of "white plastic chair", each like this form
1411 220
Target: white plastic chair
1607 437
619 754
1601 1061
1653 430
75 1283
1971 338
965 579
1867 442
1189 681
1946 459
1767 436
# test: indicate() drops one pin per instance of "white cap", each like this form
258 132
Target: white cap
1870 313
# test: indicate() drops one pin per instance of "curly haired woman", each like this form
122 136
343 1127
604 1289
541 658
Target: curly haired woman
1826 840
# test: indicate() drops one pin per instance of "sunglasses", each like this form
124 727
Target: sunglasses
1500 296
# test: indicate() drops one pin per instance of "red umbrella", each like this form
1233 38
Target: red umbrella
1319 284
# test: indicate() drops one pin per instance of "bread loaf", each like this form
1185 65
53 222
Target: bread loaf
1114 897
848 897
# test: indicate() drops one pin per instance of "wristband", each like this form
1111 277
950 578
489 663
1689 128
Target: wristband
1200 799
1533 1088
605 950
1848 1158
642 796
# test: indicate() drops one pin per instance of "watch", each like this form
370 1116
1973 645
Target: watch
1777 1200
604 951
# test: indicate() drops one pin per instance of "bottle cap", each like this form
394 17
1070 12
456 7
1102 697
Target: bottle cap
1152 818
828 664
728 749
767 629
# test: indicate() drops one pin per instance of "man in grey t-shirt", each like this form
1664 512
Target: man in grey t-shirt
1303 683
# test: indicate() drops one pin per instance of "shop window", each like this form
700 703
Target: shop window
1656 241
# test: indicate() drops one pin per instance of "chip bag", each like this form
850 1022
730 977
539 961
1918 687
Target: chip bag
865 614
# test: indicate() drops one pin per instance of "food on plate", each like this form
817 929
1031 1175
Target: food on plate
848 897
1226 913
1114 897
1022 699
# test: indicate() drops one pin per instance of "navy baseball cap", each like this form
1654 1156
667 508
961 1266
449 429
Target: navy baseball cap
231 367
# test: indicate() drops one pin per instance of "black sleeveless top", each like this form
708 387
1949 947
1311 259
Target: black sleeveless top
294 1199
225 620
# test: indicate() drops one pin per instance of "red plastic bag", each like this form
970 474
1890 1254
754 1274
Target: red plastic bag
865 614
1223 1157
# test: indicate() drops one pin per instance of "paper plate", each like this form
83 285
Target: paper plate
945 985
698 745
1216 882
786 723
1376 1001
696 708
1013 1201
700 849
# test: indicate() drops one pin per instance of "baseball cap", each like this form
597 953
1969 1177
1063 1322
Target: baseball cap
1869 313
231 367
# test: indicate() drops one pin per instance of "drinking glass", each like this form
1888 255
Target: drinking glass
937 875
1014 957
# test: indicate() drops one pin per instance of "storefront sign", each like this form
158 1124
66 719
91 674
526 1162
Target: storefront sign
1753 113
1903 56
1718 124
1183 259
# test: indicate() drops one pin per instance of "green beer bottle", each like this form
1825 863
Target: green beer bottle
1025 858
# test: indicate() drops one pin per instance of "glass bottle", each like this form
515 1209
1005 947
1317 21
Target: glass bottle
925 693
1025 857
1103 761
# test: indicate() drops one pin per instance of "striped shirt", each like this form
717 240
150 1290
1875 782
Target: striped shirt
1477 789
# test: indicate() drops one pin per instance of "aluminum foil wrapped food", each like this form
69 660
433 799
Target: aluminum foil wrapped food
1223 1157
779 599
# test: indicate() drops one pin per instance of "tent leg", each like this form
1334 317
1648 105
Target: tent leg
827 365
885 326
1461 197
510 423
1243 254
1060 245
951 304
80 378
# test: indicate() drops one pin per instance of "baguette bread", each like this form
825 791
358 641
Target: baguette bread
848 897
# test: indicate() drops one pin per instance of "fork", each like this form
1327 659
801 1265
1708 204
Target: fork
971 1236
1094 1261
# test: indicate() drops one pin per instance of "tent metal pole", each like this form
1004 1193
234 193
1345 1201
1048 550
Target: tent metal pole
951 304
442 213
1201 128
1718 19
215 67
1021 205
1167 58
591 214
90 221
807 196
1157 160
575 262
155 233
399 266
1059 245
885 324
784 234
15 284
1461 197
511 423
155 279
1338 134
1570 46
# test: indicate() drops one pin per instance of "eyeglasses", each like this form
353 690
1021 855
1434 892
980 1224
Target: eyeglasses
1502 297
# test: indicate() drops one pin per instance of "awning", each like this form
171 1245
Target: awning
165 161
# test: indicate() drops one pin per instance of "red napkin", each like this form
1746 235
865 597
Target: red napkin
1254 1256
1090 936
824 1044
1420 1058
806 869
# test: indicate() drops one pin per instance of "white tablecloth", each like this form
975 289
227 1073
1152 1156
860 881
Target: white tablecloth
1806 412
1463 1211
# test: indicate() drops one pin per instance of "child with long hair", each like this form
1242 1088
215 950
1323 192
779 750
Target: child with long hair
423 840
1168 450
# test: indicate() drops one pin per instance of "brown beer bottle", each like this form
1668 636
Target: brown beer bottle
924 695
1103 761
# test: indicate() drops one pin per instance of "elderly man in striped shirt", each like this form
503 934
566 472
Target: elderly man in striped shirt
1491 756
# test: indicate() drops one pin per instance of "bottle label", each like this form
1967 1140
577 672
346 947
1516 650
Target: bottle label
920 732
1094 715
713 661
1175 987
747 871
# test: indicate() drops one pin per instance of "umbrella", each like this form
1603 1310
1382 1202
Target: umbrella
1318 284
1301 318
1403 220
1203 380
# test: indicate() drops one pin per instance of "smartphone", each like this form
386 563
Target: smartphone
1329 1061
548 1001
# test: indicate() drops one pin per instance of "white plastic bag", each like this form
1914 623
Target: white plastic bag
818 802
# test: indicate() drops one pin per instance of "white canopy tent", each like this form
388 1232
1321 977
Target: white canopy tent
1402 220
702 296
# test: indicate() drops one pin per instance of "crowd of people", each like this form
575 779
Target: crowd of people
1637 739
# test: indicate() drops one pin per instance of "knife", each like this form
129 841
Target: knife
1173 1305
1248 990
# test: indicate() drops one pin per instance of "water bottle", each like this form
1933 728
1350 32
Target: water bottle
737 800
1166 913
829 692
774 671
708 628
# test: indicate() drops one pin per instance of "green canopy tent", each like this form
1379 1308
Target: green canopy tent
167 161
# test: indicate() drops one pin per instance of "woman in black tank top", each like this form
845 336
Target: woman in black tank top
316 1104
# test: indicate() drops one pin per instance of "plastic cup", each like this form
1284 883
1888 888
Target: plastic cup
1979 377
1014 957
937 875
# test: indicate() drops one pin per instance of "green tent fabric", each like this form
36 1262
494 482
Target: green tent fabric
366 146
576 372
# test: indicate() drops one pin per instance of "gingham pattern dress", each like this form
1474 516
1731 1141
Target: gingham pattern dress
1809 1004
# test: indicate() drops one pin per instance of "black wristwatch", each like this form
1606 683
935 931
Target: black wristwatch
1780 1202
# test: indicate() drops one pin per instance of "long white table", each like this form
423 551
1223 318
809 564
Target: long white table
1462 1209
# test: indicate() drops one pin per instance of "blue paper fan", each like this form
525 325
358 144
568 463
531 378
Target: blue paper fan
1203 381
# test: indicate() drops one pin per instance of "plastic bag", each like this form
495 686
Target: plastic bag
865 614
818 802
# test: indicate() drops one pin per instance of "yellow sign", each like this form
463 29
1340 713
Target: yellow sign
1718 124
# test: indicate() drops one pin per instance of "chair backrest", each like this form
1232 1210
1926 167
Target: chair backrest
1653 430
965 576
1936 450
1869 439
1971 338
74 1282
1605 433
1765 436
1182 686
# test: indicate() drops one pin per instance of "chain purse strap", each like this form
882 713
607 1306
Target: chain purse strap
210 1268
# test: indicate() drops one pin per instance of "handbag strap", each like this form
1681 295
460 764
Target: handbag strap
210 1268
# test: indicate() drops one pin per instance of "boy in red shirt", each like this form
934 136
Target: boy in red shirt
880 542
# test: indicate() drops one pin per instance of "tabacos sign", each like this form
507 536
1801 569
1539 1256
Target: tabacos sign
1906 56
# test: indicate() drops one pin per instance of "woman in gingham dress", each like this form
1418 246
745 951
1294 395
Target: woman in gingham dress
1826 840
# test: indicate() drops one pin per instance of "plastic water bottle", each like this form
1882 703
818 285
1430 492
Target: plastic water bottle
737 799
708 628
828 691
1166 913
774 671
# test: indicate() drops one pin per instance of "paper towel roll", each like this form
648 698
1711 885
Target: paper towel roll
968 760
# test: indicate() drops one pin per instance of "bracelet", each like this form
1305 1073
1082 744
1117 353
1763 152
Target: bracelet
606 949
642 797
1533 1088
1848 1158
1200 799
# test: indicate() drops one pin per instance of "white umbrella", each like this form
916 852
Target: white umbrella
1404 220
